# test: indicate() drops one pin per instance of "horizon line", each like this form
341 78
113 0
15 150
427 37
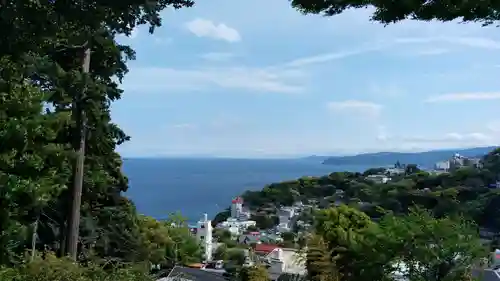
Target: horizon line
297 156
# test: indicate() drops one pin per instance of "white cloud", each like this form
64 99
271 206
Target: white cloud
218 56
464 97
431 142
184 126
494 126
431 52
475 137
243 78
321 58
207 28
359 107
473 42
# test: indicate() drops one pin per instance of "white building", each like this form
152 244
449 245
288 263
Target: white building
287 212
284 227
235 226
281 261
394 171
236 207
285 216
378 178
237 210
204 235
442 166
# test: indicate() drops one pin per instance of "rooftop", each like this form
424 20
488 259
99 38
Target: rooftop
489 274
179 273
265 248
237 200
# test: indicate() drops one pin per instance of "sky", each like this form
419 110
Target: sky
259 79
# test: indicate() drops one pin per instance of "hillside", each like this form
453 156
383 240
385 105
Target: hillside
425 159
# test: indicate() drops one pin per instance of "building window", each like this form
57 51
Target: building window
202 237
202 226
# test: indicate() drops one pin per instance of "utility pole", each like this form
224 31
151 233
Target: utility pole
76 200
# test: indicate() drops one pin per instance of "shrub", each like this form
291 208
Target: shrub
51 268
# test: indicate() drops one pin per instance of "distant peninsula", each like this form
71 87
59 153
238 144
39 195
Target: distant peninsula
424 159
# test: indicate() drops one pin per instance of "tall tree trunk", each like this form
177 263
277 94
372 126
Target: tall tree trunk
81 128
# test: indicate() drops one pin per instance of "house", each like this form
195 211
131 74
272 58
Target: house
488 274
239 219
442 166
236 226
179 273
250 238
280 261
266 249
394 171
378 178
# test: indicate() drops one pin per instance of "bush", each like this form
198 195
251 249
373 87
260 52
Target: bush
51 268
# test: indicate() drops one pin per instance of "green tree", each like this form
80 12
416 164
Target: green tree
288 236
40 68
411 169
486 13
374 171
255 273
236 256
220 217
42 36
155 238
252 228
320 263
221 253
183 248
222 235
33 166
431 249
343 230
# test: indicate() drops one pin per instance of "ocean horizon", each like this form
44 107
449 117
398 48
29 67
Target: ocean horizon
194 186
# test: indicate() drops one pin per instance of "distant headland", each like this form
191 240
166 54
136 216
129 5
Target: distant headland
424 159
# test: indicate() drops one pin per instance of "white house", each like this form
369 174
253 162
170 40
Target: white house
442 166
280 261
204 235
235 226
378 178
285 215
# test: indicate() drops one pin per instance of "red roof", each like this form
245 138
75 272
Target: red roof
237 200
265 248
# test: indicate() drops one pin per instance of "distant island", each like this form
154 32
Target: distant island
424 159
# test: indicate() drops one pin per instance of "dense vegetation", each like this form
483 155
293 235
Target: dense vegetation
348 245
486 13
44 96
463 192
418 226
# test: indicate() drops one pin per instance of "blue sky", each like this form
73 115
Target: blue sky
258 79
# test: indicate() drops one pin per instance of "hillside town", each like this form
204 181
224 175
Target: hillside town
455 162
265 246
258 246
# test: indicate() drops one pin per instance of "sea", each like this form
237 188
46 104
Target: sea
193 187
